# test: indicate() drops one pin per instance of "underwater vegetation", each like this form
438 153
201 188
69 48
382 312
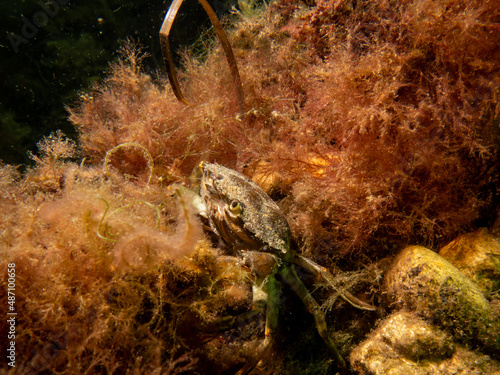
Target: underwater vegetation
376 120
373 125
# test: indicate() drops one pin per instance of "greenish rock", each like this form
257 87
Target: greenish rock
404 344
422 281
477 255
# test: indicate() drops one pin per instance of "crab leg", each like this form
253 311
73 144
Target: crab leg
272 288
289 274
313 267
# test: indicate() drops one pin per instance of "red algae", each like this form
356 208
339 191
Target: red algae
399 125
372 124
373 116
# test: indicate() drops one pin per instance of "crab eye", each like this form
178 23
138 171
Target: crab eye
235 207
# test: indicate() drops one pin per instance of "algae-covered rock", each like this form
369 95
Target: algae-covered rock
423 281
405 344
477 255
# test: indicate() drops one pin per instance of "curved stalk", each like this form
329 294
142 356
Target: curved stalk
167 53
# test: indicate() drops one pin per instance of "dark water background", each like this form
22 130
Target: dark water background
51 51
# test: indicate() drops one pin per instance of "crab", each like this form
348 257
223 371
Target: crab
247 219
243 216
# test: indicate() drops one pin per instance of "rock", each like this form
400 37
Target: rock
422 281
405 344
477 255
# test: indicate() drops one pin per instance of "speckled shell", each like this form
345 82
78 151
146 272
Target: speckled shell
260 214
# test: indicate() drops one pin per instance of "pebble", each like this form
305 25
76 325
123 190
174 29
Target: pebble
422 281
405 344
477 255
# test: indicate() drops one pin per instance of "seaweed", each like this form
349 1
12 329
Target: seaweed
372 124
